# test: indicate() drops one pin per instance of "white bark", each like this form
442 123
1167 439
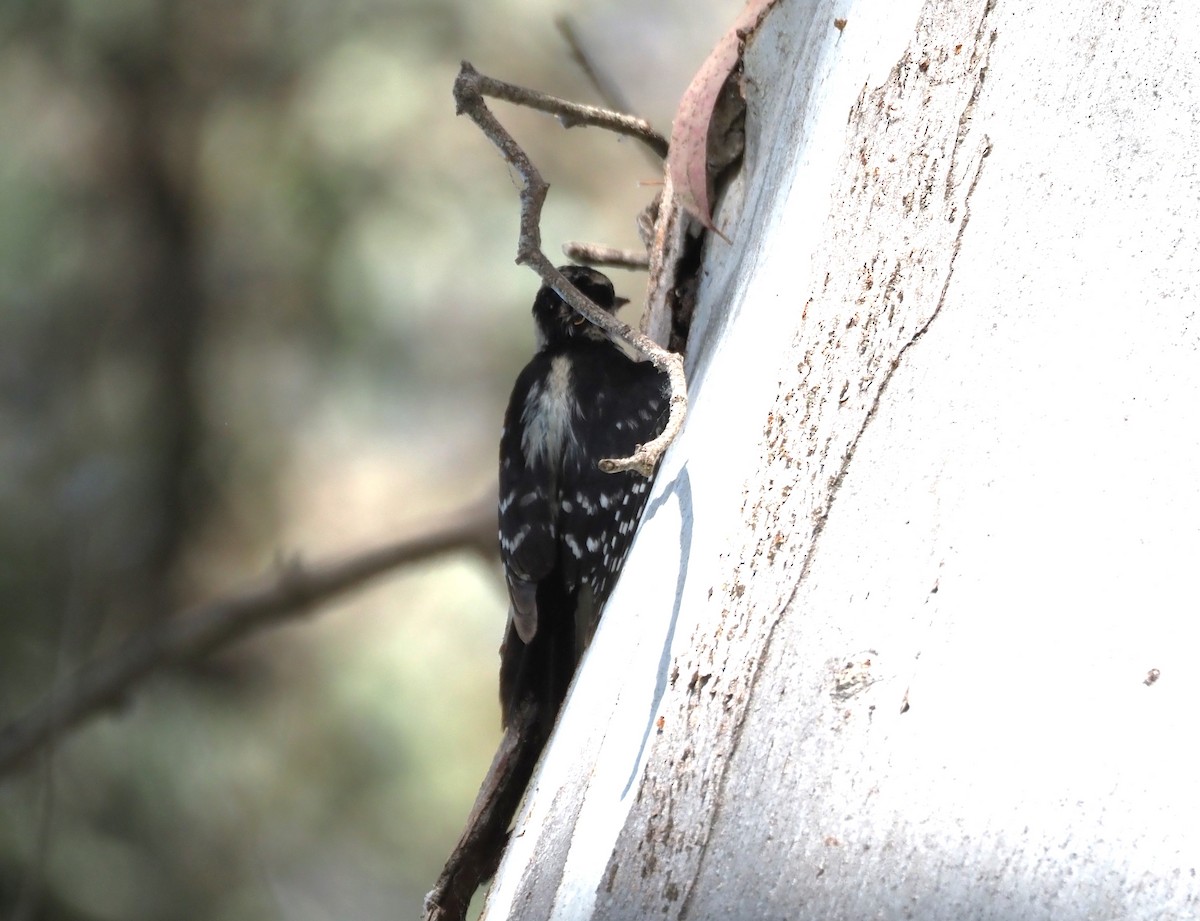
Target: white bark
881 649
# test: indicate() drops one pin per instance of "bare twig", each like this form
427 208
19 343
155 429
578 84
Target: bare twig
597 254
206 627
472 83
607 89
609 94
469 89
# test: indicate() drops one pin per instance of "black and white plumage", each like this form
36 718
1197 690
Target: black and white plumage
565 527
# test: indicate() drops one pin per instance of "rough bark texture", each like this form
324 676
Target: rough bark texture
885 645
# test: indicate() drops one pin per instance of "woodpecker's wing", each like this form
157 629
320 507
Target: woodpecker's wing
624 405
528 503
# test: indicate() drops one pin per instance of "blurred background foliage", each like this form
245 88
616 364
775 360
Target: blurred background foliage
257 301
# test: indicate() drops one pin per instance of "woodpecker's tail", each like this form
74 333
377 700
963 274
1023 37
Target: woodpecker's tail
541 669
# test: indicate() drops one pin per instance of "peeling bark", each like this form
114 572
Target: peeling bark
881 647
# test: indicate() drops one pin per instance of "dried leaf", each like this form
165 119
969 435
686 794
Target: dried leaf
687 160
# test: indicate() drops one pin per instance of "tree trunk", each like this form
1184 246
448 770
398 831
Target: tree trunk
907 629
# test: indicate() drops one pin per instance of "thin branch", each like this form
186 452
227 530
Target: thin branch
607 89
481 845
598 254
206 627
609 94
469 89
570 114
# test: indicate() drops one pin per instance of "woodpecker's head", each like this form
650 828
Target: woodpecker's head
557 322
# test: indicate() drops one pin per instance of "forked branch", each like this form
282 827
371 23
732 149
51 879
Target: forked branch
472 82
469 90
